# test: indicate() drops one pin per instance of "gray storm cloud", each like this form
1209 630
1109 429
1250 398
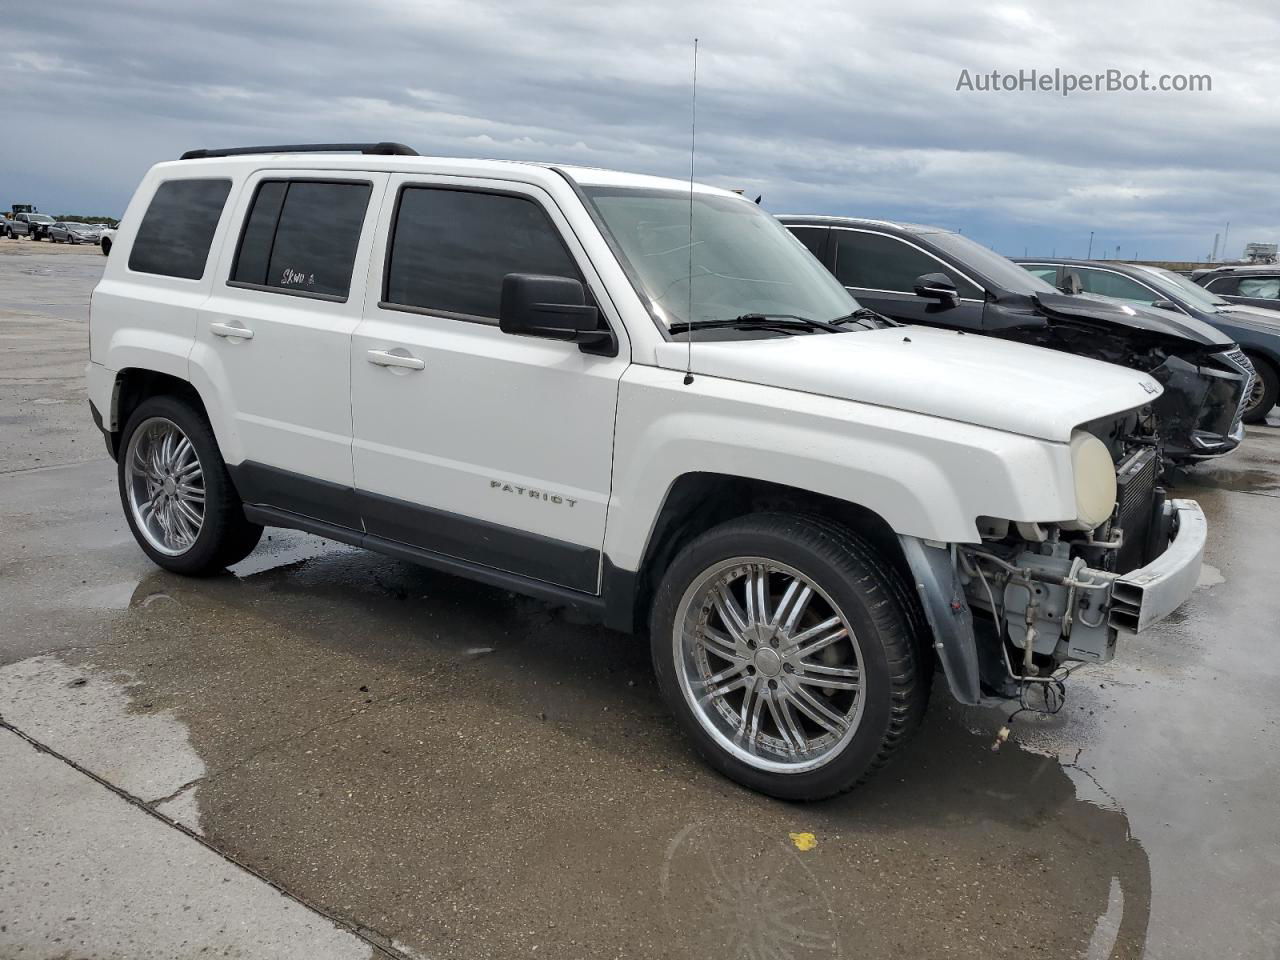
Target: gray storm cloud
822 107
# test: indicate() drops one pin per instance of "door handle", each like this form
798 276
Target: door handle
385 358
231 330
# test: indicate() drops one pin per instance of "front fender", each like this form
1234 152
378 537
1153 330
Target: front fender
927 477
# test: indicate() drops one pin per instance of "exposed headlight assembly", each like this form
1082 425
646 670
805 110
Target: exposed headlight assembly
1095 481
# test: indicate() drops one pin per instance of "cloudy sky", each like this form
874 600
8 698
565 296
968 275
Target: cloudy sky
823 107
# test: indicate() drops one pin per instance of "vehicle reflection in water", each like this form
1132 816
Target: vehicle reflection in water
719 902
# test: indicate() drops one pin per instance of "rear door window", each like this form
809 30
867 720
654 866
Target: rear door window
873 261
301 237
1221 285
177 230
451 248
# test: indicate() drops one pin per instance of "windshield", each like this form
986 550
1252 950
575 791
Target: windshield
998 270
1179 286
77 225
741 260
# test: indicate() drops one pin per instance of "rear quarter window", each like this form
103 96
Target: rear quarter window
177 230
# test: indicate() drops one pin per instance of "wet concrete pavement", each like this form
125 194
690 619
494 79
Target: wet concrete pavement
453 771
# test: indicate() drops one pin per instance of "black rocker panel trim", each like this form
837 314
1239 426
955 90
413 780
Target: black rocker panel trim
479 541
589 604
262 485
422 528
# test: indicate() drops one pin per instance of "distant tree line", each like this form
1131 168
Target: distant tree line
109 221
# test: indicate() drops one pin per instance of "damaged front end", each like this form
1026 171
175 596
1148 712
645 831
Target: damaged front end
1202 408
1028 601
1206 378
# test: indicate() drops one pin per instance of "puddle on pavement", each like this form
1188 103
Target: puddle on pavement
352 741
1238 480
718 903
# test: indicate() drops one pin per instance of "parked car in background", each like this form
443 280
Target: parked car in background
33 226
73 231
1254 285
806 507
1255 329
932 276
107 239
4 225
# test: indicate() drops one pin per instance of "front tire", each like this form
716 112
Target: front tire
177 495
1266 390
789 652
106 246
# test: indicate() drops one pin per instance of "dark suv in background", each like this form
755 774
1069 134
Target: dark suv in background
1257 285
1255 329
933 276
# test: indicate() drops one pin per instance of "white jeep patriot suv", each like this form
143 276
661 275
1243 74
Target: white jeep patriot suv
487 367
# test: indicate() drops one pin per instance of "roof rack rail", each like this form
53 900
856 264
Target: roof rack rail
386 148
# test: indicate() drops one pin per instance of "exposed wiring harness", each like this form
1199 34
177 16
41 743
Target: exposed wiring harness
1052 688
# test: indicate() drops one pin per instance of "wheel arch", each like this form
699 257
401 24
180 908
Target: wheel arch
697 501
132 386
1270 357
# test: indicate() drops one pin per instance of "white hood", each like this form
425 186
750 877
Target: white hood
981 380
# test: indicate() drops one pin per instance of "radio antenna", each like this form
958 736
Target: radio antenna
693 147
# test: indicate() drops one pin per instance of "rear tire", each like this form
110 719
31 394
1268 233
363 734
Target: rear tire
1265 393
177 496
815 716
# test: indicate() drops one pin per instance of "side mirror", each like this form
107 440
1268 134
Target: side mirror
554 308
937 286
1166 305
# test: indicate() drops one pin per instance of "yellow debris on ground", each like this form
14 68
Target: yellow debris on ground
804 841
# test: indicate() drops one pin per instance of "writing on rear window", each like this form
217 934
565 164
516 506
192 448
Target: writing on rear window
301 236
296 278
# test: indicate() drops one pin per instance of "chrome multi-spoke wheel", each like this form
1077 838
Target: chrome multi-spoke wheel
165 486
769 664
1257 394
176 490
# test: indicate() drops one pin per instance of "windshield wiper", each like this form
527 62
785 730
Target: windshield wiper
867 314
759 321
